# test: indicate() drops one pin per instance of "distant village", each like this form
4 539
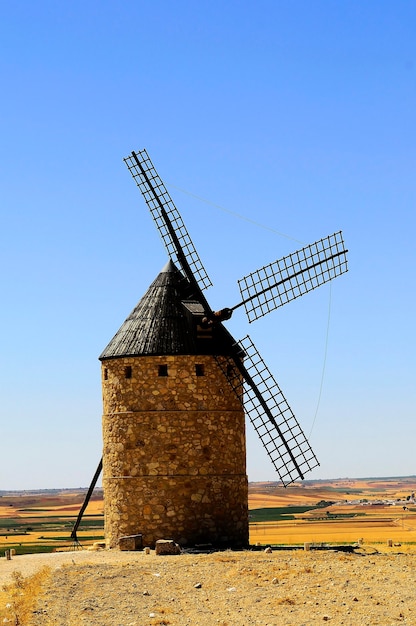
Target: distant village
403 502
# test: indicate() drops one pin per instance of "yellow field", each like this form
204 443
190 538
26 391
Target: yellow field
367 521
372 523
335 531
269 495
46 538
47 520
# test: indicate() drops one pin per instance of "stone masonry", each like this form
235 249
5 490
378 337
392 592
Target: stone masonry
174 456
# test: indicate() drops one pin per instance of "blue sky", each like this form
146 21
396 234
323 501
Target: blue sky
288 121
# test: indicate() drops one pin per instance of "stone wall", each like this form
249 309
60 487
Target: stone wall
174 455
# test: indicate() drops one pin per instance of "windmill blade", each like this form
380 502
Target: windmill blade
167 218
269 413
292 276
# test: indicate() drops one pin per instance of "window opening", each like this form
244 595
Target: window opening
105 373
128 372
199 369
163 370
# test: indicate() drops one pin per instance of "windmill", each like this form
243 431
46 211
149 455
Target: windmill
166 468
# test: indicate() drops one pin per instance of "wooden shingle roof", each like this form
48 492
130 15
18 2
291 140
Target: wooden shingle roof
165 321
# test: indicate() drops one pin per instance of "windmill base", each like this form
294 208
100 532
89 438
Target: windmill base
191 510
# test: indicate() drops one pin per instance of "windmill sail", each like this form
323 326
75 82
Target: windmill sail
270 414
292 276
167 218
262 291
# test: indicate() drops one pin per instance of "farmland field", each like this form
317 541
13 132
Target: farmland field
42 522
369 511
341 511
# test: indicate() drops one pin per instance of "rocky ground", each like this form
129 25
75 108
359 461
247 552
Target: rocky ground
288 588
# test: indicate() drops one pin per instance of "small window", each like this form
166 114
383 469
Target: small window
127 372
105 373
199 369
163 370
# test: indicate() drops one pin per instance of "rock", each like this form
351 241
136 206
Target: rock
167 546
268 550
130 543
198 585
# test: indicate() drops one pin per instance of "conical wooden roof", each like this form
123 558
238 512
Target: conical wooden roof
164 323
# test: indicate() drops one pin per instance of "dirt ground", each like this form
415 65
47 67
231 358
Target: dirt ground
288 588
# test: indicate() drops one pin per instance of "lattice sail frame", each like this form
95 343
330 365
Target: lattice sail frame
269 413
292 276
158 200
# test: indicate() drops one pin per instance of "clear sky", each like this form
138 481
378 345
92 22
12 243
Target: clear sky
272 123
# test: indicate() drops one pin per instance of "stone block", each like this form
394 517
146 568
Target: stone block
130 543
167 546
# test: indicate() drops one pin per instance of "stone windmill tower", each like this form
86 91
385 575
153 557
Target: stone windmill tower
173 429
177 387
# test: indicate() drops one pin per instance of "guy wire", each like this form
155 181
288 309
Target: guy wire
235 214
324 363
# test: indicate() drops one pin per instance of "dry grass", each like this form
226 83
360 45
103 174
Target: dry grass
232 589
21 596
